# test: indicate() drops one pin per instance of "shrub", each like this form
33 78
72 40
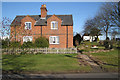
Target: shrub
15 44
77 40
108 44
4 44
41 42
27 45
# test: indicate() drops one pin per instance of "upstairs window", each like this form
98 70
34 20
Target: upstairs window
54 39
27 38
28 25
54 25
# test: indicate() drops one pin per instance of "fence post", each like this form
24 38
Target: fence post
64 51
57 51
76 50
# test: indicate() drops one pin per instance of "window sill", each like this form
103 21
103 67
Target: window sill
27 29
54 28
53 43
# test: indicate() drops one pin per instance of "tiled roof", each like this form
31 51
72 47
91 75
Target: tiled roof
66 20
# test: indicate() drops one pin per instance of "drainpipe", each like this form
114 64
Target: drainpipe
67 36
41 31
15 32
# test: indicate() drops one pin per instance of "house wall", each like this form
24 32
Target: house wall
35 32
85 38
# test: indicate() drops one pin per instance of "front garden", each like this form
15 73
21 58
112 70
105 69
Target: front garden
42 63
107 57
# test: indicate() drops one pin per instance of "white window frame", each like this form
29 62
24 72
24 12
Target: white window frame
29 37
56 41
54 24
30 27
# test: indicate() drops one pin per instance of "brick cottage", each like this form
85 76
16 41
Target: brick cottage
57 28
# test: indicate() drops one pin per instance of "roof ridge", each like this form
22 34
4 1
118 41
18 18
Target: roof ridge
47 15
66 14
26 15
63 15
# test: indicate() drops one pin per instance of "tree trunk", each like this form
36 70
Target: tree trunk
106 34
97 38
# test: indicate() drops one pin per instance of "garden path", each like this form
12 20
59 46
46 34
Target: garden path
86 60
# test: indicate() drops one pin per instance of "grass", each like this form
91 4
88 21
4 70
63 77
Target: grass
89 44
111 58
43 63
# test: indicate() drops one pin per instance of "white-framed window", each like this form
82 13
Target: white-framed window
28 25
54 40
27 38
54 25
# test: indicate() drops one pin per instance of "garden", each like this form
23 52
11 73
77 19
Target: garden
105 53
42 63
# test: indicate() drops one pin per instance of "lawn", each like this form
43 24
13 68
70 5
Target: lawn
111 58
43 63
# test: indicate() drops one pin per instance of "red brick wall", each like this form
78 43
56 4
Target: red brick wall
43 11
35 32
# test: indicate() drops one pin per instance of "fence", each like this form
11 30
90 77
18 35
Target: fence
39 50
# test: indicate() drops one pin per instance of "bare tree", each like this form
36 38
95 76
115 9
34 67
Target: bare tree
114 33
114 13
88 25
92 27
5 29
13 31
108 17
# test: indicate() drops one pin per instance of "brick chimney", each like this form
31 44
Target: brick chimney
43 11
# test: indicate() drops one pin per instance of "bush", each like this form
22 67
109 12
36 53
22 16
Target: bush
27 45
108 44
41 42
77 40
15 44
4 44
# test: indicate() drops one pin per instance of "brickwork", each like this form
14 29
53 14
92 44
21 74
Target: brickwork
35 31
